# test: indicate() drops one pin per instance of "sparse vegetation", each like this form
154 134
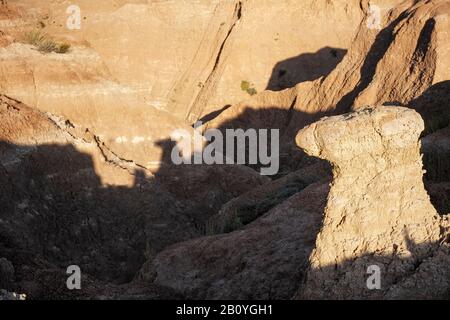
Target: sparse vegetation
247 87
34 37
248 213
44 43
63 48
47 46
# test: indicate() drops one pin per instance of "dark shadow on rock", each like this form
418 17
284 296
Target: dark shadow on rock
266 259
259 248
252 250
288 122
376 52
56 212
434 106
423 273
214 114
291 158
305 67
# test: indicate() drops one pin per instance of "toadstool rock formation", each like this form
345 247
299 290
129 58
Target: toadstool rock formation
378 212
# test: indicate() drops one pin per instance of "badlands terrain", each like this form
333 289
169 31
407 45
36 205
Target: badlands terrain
92 91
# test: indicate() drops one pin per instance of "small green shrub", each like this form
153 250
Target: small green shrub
249 212
63 48
252 91
232 223
247 87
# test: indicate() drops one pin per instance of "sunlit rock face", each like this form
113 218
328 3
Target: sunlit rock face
170 60
378 212
86 169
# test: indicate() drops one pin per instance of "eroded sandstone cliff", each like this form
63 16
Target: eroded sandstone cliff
86 176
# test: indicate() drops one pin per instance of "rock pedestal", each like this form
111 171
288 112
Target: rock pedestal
378 212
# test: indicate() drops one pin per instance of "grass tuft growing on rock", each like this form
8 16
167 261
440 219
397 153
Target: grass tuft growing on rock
44 43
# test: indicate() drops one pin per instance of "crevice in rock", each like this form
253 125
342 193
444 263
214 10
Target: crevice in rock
108 155
290 115
368 70
201 99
